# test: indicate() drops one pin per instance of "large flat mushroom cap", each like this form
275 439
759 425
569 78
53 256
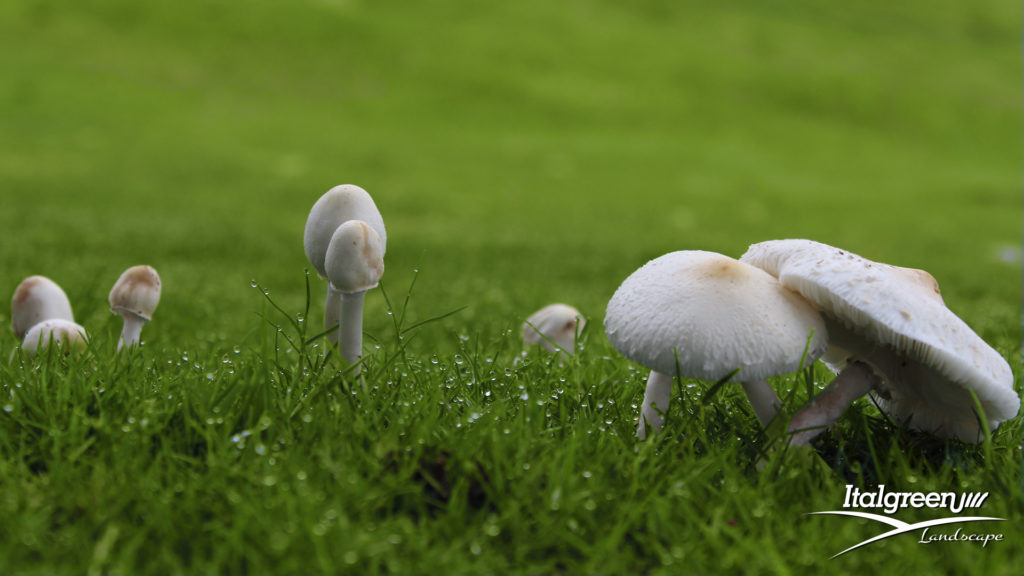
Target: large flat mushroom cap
901 310
335 207
38 298
717 314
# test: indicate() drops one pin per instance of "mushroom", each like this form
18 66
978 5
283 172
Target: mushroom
134 297
354 264
336 206
65 333
704 315
554 327
38 298
893 336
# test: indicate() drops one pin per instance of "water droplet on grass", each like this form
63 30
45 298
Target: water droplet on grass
8 408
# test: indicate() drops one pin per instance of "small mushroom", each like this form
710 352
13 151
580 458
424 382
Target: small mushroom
134 297
64 333
354 264
704 315
337 206
38 298
893 336
554 327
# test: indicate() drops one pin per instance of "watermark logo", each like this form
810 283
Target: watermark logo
892 502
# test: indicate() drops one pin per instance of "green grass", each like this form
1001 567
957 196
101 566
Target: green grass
520 154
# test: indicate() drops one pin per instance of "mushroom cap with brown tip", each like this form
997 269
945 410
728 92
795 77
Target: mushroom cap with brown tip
715 314
136 292
337 206
38 298
928 359
65 333
355 257
558 323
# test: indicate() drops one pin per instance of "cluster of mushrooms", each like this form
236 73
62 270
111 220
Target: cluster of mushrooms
41 312
783 305
883 329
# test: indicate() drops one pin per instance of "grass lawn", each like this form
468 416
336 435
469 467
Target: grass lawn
521 153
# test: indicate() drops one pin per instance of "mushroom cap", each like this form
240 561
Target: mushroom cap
38 298
136 292
64 333
558 323
717 314
336 206
355 257
894 319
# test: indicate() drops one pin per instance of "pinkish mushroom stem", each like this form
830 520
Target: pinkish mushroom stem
131 332
856 380
350 319
763 399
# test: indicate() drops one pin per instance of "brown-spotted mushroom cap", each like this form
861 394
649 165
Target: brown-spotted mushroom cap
926 359
555 323
65 333
134 297
716 314
38 298
355 257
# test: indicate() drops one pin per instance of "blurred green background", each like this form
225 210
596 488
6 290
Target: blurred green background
520 152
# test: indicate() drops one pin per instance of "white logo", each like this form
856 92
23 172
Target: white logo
891 502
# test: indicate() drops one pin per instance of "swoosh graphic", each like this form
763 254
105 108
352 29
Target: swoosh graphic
900 527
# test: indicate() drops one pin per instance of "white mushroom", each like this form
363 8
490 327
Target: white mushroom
707 315
354 264
38 298
134 297
337 206
554 327
64 333
893 336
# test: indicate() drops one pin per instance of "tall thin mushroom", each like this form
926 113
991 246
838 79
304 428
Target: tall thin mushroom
335 207
704 315
893 337
134 298
354 264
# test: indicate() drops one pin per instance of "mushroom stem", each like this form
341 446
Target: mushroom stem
763 399
350 319
856 380
655 406
332 311
131 331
